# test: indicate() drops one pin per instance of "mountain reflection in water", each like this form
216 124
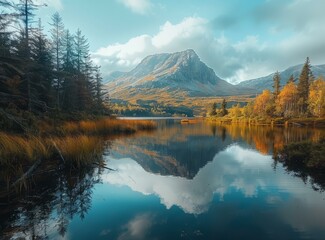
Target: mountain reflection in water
192 181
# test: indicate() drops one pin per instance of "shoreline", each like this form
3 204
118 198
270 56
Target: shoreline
298 122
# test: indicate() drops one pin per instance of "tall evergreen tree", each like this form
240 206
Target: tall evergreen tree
213 110
223 109
99 93
5 20
291 79
26 10
276 84
83 67
42 68
303 87
69 85
57 33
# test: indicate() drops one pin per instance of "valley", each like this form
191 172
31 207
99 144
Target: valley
180 84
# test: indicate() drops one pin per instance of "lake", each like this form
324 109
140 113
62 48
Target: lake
182 181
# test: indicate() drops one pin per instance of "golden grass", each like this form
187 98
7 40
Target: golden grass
76 150
107 126
79 150
78 142
16 148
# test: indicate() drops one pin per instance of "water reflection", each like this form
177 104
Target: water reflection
236 167
194 181
54 197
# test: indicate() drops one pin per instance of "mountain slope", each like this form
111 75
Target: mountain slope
259 84
178 74
112 76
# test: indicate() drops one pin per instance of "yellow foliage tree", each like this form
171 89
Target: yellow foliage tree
286 102
316 100
263 103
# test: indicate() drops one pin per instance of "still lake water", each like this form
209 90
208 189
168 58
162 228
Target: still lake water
183 181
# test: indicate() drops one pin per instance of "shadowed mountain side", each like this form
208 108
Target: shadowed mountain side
179 74
259 84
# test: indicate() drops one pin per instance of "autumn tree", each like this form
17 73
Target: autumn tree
263 103
303 87
286 103
236 111
248 110
316 101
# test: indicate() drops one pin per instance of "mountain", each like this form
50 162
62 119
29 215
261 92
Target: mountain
178 75
259 84
112 76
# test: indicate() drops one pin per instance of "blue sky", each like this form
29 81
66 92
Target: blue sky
239 39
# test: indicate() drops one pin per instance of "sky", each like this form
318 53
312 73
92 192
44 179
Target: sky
238 39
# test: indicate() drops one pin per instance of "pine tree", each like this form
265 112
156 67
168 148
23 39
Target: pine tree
69 85
223 109
213 111
26 9
276 84
5 20
42 73
57 33
303 87
291 79
83 68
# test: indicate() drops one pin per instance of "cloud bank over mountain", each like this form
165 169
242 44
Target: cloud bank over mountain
292 32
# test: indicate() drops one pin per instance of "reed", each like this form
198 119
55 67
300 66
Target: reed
79 150
76 150
107 126
14 149
78 143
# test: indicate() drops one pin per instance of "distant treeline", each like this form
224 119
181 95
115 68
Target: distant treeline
41 74
301 100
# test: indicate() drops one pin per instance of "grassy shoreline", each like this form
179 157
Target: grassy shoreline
301 122
73 144
65 139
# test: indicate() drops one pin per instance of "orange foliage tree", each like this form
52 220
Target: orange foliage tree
263 104
286 102
316 100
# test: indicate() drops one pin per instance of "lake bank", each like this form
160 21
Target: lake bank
300 122
76 145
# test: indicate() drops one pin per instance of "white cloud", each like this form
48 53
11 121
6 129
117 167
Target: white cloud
229 168
186 29
137 6
246 58
232 61
138 227
235 167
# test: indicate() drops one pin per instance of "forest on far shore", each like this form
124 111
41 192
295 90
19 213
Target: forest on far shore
302 100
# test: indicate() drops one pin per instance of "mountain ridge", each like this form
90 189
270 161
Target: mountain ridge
266 82
180 73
